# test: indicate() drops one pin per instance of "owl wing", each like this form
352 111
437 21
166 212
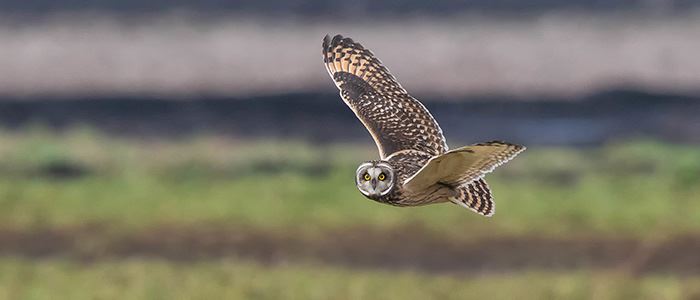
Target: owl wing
462 166
395 120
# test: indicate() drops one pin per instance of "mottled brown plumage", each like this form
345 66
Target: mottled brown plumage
411 145
395 120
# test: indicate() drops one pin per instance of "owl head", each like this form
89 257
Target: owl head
374 178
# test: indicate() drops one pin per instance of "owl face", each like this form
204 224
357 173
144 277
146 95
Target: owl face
374 179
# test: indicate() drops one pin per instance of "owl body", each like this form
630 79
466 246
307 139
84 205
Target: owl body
415 165
405 164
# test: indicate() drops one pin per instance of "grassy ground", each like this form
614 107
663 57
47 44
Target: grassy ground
639 188
232 279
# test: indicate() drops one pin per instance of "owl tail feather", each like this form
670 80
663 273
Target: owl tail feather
476 196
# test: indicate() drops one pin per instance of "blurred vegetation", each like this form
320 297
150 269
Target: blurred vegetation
636 189
232 279
640 188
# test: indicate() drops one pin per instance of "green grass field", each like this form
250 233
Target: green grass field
233 279
638 189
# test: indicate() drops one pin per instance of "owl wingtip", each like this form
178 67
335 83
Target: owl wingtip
326 42
336 39
330 42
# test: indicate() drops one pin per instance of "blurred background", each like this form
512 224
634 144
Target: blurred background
198 150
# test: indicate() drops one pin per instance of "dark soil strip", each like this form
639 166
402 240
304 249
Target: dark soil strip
404 248
323 118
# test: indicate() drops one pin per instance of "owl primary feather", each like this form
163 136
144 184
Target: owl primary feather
415 165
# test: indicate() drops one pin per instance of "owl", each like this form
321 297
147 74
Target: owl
415 166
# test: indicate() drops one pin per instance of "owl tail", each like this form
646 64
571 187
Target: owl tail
476 196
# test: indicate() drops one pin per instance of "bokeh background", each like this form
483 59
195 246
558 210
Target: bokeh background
198 150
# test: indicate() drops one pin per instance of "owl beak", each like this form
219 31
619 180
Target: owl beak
373 184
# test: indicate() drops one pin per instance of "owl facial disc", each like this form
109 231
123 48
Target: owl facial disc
374 179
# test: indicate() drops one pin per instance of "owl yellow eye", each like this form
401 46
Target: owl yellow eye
367 177
381 177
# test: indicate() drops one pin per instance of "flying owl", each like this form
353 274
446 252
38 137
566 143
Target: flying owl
415 166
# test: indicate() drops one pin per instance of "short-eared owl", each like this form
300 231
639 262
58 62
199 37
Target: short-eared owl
415 166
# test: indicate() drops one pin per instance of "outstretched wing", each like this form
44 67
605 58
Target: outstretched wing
395 120
464 165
